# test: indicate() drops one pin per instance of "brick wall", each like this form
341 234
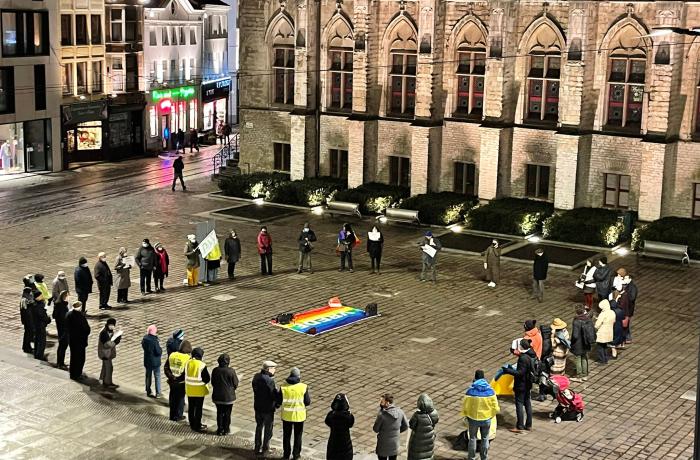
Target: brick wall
460 142
334 135
259 129
532 146
393 138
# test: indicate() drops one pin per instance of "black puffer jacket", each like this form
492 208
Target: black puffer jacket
602 281
340 420
579 344
224 382
422 441
264 392
146 257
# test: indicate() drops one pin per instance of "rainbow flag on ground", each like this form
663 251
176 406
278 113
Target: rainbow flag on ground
324 319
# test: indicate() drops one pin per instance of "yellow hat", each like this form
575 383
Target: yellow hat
558 324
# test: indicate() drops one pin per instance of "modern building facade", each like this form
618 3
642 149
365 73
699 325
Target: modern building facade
566 101
30 87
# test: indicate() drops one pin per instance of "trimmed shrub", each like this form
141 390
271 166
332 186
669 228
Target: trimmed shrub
255 185
676 230
591 226
512 216
442 208
313 191
373 197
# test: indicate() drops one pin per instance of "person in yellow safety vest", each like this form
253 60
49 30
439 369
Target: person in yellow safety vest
196 379
293 397
212 262
175 373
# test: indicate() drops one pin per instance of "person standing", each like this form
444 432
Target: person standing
224 382
40 320
232 252
161 267
26 304
178 167
151 359
389 424
429 260
174 341
78 332
103 276
146 260
587 283
631 291
602 277
293 397
346 242
60 310
604 330
107 351
196 379
582 339
192 254
123 277
305 240
226 131
539 274
41 286
421 443
560 345
60 284
340 420
264 404
83 282
375 246
220 131
522 386
265 251
492 263
194 140
180 140
174 369
534 336
479 408
620 306
212 262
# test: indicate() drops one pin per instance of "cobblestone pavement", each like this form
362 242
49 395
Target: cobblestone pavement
430 338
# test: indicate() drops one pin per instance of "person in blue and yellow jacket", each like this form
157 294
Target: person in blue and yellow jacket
479 409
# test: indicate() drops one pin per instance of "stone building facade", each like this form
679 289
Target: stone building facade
573 102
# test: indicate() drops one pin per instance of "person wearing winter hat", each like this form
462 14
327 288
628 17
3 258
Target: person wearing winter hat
293 398
78 332
533 334
264 404
421 443
25 313
160 271
174 369
305 240
83 282
174 341
103 276
430 248
107 351
232 252
389 424
40 285
561 343
151 359
40 319
196 379
60 310
224 382
60 284
340 420
479 408
192 254
522 386
604 330
122 280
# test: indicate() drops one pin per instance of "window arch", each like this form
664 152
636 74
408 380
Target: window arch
470 58
340 42
626 76
544 48
401 44
280 39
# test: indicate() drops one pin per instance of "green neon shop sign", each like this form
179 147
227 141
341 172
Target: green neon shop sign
183 92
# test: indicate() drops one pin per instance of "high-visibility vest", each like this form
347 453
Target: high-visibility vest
177 362
293 408
194 386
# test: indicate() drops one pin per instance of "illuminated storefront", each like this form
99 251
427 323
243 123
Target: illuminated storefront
169 110
215 96
24 146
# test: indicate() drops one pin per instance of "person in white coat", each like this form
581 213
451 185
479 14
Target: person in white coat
604 330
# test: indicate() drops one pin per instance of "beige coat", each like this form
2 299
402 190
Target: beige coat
604 324
492 259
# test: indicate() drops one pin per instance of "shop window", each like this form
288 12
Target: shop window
188 69
543 87
341 79
40 87
470 82
464 178
283 67
132 73
133 33
617 190
81 77
67 78
153 121
12 148
182 115
537 181
283 157
208 112
86 136
116 24
96 29
399 171
696 200
193 35
339 163
193 114
402 78
66 30
7 90
165 37
81 31
96 76
25 33
152 39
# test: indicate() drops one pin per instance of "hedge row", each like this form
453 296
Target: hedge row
676 230
442 208
512 216
591 226
278 188
373 197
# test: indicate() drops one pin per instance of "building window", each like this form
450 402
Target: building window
152 40
339 163
341 79
193 114
193 68
25 33
67 77
97 76
173 31
537 181
165 37
617 190
117 74
402 78
465 178
133 32
66 30
284 75
182 70
40 87
95 29
117 25
626 91
193 35
470 82
696 200
399 171
81 31
82 78
153 121
182 35
543 87
283 157
7 90
132 73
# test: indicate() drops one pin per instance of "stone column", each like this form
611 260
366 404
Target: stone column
356 126
571 94
356 152
488 162
493 99
659 99
420 146
298 140
651 181
565 171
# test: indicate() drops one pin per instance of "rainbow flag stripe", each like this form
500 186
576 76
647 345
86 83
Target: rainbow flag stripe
324 319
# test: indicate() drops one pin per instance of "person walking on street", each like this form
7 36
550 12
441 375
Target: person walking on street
232 252
40 320
226 131
479 408
492 263
224 382
161 267
560 345
220 131
146 260
421 443
194 140
103 276
107 351
604 330
346 242
265 251
151 359
539 274
602 277
192 254
60 284
522 385
196 379
429 252
293 398
174 341
264 404
340 420
375 246
26 304
122 280
83 282
174 369
582 340
78 332
180 141
389 424
178 167
60 310
305 240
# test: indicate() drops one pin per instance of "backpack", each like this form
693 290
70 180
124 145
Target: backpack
535 371
588 333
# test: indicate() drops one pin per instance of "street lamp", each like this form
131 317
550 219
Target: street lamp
662 31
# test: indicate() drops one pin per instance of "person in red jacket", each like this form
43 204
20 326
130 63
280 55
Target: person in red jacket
161 266
265 251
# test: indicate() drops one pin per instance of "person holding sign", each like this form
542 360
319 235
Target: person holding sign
191 252
430 247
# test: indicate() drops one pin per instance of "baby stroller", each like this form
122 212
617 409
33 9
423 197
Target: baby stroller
570 405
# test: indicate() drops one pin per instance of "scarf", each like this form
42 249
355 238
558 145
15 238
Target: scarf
374 236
